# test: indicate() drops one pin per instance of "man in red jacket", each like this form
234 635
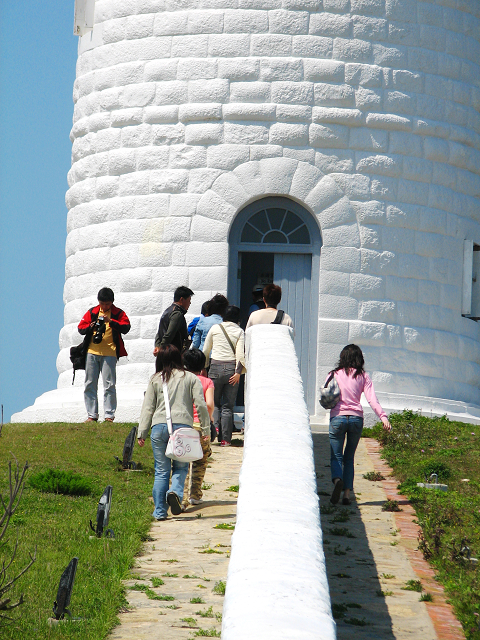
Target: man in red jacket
103 326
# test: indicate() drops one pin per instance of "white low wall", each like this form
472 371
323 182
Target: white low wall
277 585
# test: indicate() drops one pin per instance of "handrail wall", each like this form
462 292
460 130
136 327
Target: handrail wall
277 583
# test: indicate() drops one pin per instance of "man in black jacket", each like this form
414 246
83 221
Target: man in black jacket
173 328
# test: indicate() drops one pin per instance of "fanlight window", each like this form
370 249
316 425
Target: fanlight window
275 226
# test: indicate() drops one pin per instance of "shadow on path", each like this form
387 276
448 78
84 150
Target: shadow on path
352 574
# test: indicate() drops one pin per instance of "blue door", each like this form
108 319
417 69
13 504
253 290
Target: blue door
293 272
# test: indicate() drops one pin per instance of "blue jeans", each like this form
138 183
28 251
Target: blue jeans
341 461
93 366
163 465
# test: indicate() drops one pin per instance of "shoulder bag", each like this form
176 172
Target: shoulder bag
230 343
184 443
330 393
279 317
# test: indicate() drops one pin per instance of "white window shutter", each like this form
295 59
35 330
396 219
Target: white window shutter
84 16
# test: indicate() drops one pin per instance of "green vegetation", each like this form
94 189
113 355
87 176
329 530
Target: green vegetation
197 601
426 597
190 621
59 481
373 476
211 551
208 633
149 593
339 610
234 488
208 613
225 525
416 448
219 588
170 575
58 525
206 487
341 531
413 585
391 505
191 577
156 582
382 594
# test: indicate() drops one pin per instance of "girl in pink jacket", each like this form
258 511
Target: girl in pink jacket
346 418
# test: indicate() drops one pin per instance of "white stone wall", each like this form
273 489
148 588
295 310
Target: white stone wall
365 111
277 583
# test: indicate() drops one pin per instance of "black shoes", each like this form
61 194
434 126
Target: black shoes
337 490
174 503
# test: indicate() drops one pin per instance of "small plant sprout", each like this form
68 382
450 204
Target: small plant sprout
191 622
388 576
381 593
208 633
219 588
426 597
207 613
206 487
156 582
171 561
373 476
170 575
225 525
234 488
197 601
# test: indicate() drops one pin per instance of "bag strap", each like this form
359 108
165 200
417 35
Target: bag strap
228 339
330 378
167 408
278 317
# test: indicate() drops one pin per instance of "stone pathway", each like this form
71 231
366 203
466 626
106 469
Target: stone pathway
369 556
367 571
190 556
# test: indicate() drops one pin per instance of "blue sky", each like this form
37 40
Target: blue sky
37 69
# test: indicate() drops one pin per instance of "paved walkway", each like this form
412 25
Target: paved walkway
369 556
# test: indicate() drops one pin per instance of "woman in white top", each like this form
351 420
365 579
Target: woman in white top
225 348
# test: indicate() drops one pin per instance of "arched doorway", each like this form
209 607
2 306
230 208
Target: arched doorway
275 239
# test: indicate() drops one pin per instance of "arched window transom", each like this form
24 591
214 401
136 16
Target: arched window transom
275 226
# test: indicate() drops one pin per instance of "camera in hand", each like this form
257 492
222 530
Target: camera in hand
98 330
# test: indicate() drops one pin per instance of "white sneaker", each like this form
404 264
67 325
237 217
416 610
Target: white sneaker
194 501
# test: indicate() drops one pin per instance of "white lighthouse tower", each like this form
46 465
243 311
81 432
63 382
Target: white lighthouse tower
331 146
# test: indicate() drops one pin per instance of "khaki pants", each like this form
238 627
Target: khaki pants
196 472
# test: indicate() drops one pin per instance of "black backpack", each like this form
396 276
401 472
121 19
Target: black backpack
78 355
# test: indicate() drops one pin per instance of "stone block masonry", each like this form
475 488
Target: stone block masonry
367 113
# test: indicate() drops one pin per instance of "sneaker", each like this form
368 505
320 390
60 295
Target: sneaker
91 420
224 443
174 503
160 519
337 490
195 501
346 501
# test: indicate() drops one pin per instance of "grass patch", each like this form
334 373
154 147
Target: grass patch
341 531
197 601
170 575
206 487
234 488
171 561
426 597
208 613
58 525
219 588
342 516
225 525
413 585
60 481
211 551
373 476
156 582
450 521
190 621
208 633
391 505
151 595
357 622
191 577
382 594
388 576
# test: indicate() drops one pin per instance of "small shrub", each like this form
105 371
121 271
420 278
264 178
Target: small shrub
342 516
391 505
58 481
373 476
201 586
219 588
413 585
